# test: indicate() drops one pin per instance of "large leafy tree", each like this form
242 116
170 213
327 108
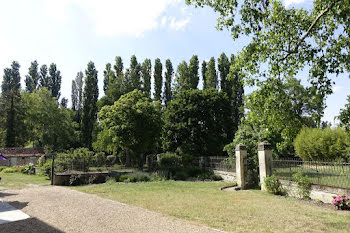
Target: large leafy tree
193 72
12 107
284 41
146 74
211 77
132 125
196 123
89 113
55 80
168 80
158 79
48 124
32 79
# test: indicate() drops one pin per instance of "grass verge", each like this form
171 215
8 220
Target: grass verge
19 180
242 211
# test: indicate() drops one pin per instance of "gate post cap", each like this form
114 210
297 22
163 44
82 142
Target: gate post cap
264 146
240 147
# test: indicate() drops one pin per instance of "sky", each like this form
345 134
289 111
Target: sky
71 33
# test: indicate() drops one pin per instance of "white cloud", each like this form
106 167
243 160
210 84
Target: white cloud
119 17
337 88
290 2
179 24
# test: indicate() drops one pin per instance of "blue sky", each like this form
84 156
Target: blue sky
70 33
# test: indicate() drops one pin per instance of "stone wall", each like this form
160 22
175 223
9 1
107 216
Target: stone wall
227 176
318 192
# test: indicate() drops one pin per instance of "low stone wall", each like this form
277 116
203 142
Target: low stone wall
318 192
227 176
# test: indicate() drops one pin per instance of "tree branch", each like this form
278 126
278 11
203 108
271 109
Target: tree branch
324 12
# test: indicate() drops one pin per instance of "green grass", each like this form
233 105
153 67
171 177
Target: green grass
19 180
242 211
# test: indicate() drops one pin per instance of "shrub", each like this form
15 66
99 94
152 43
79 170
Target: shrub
10 170
273 185
181 175
46 168
110 180
2 168
96 179
169 163
303 185
134 178
322 144
111 160
342 202
28 169
122 178
75 180
99 159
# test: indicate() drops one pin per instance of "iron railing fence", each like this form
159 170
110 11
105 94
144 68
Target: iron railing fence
334 174
217 163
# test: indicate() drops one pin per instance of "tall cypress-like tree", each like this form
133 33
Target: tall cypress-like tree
135 73
158 79
237 96
77 95
183 81
109 77
204 71
43 78
55 80
193 72
224 70
32 79
146 74
211 75
118 66
168 78
12 107
89 113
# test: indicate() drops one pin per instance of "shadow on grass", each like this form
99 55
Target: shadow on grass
30 225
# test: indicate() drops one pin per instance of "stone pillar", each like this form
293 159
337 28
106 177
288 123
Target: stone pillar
241 165
265 162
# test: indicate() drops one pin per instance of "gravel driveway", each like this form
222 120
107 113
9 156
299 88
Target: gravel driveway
60 209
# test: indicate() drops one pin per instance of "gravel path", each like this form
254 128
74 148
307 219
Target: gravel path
60 209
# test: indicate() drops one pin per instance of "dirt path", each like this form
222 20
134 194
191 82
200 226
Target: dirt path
59 209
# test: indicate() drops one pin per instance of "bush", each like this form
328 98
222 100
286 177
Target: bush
96 179
45 169
169 163
322 144
342 202
134 178
28 169
10 170
2 168
273 185
75 180
303 185
99 159
110 180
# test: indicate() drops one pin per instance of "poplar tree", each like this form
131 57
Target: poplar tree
12 115
158 79
109 77
55 80
89 113
193 72
43 78
168 78
204 77
146 74
224 70
135 73
182 77
77 95
118 67
32 79
211 75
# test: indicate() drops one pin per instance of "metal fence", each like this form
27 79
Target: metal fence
334 174
217 163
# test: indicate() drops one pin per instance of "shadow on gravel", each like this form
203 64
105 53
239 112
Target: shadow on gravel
6 194
17 204
30 225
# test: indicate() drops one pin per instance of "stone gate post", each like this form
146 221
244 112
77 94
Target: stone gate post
265 162
241 165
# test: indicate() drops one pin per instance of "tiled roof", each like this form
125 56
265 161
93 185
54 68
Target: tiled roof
22 152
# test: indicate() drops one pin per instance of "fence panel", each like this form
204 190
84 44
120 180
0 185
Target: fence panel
220 163
334 174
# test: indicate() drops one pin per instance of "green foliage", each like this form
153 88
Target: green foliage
344 116
196 123
135 73
32 79
285 40
322 144
158 79
132 125
10 170
193 71
146 74
45 168
273 185
303 185
211 77
75 180
11 107
99 159
167 97
28 169
89 113
204 71
133 178
55 80
96 179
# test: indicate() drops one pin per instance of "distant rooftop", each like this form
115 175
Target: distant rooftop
22 152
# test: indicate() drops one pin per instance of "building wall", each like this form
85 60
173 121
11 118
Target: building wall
19 161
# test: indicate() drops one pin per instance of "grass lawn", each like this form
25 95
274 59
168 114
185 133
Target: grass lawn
19 180
242 211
